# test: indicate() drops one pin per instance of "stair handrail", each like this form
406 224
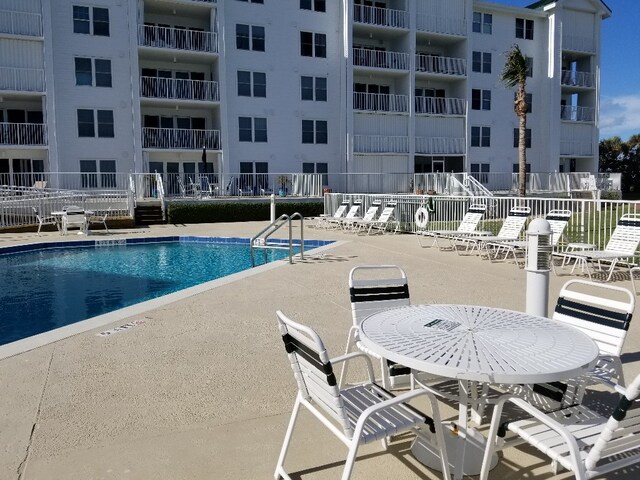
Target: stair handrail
472 181
274 227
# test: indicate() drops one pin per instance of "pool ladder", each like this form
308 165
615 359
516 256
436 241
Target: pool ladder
261 240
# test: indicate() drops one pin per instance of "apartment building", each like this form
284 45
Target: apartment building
312 86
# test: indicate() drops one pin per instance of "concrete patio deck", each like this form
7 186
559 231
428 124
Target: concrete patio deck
202 389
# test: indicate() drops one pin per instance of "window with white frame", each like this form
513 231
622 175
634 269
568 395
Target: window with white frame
480 136
482 23
252 84
85 67
524 28
481 62
480 99
315 5
252 129
98 173
527 137
313 44
91 21
250 37
314 131
88 118
313 88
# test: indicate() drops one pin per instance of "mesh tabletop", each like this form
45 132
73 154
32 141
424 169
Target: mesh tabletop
479 343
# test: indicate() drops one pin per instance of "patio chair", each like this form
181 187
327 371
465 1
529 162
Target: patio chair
74 217
384 221
323 220
582 440
468 225
621 246
352 214
44 220
99 220
357 415
356 223
373 288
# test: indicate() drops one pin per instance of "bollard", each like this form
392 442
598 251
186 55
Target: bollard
538 265
273 208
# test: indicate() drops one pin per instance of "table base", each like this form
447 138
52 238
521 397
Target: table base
474 451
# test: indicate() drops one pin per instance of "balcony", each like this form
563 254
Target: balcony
380 144
180 138
440 145
577 43
23 134
577 79
440 106
20 23
177 39
573 113
179 89
441 65
380 102
576 148
441 25
364 57
22 79
383 17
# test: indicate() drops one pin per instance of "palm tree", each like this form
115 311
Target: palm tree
514 74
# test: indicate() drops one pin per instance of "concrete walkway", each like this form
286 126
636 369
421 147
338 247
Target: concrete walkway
201 388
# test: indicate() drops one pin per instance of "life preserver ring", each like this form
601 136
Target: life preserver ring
422 217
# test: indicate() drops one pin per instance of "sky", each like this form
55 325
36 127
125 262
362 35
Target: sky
620 68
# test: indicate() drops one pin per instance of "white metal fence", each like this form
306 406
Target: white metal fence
440 65
380 102
179 89
180 138
178 38
23 134
386 17
365 57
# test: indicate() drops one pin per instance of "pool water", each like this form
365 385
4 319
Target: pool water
45 289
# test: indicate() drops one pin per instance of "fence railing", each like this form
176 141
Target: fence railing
20 23
23 134
177 38
22 79
440 65
380 144
445 25
575 113
380 102
180 138
440 106
577 79
365 57
385 17
179 89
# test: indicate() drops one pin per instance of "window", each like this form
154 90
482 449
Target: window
480 171
313 44
516 168
313 88
482 22
101 21
89 171
480 136
252 84
524 28
315 5
480 99
481 62
105 123
86 126
318 167
103 72
527 137
529 61
86 123
82 21
108 173
88 174
528 97
250 37
314 131
84 73
252 129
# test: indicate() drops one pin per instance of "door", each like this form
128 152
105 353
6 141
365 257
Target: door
183 85
152 187
173 170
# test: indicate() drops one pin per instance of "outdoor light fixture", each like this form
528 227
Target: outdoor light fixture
538 265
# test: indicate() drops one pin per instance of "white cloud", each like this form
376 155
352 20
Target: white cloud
620 116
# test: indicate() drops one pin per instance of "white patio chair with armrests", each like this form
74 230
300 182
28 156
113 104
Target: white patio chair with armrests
357 415
74 217
577 438
384 221
373 288
355 224
99 220
44 220
621 246
468 225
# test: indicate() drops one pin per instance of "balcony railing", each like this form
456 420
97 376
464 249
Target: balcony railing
380 144
441 65
23 134
179 89
440 106
444 25
576 147
440 145
380 102
177 38
180 138
365 57
577 79
22 79
20 23
578 43
573 113
385 17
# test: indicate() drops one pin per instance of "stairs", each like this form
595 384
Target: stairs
149 214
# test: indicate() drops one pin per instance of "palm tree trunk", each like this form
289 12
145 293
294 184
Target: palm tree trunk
522 155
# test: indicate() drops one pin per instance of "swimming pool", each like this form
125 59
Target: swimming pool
46 286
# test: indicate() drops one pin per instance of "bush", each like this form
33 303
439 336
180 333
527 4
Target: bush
237 211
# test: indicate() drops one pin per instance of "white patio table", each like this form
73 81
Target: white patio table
477 344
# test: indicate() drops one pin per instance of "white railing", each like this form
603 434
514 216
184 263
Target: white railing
380 102
22 79
177 38
577 79
23 134
440 106
576 147
440 145
380 144
180 138
440 65
578 43
364 57
179 89
446 25
66 180
385 17
20 23
574 113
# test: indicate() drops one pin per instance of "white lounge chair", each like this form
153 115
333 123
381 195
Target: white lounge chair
356 223
468 225
323 220
352 214
45 220
385 221
357 415
622 245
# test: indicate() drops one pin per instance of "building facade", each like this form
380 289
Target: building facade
275 86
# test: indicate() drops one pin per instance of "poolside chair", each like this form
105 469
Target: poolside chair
468 225
357 415
323 220
385 221
558 221
582 440
351 215
74 217
99 220
355 224
510 230
44 220
621 246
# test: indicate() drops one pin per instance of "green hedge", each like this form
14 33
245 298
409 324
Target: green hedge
237 211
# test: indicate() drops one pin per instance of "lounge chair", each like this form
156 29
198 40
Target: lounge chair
45 220
384 221
356 223
468 225
323 220
621 246
351 215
